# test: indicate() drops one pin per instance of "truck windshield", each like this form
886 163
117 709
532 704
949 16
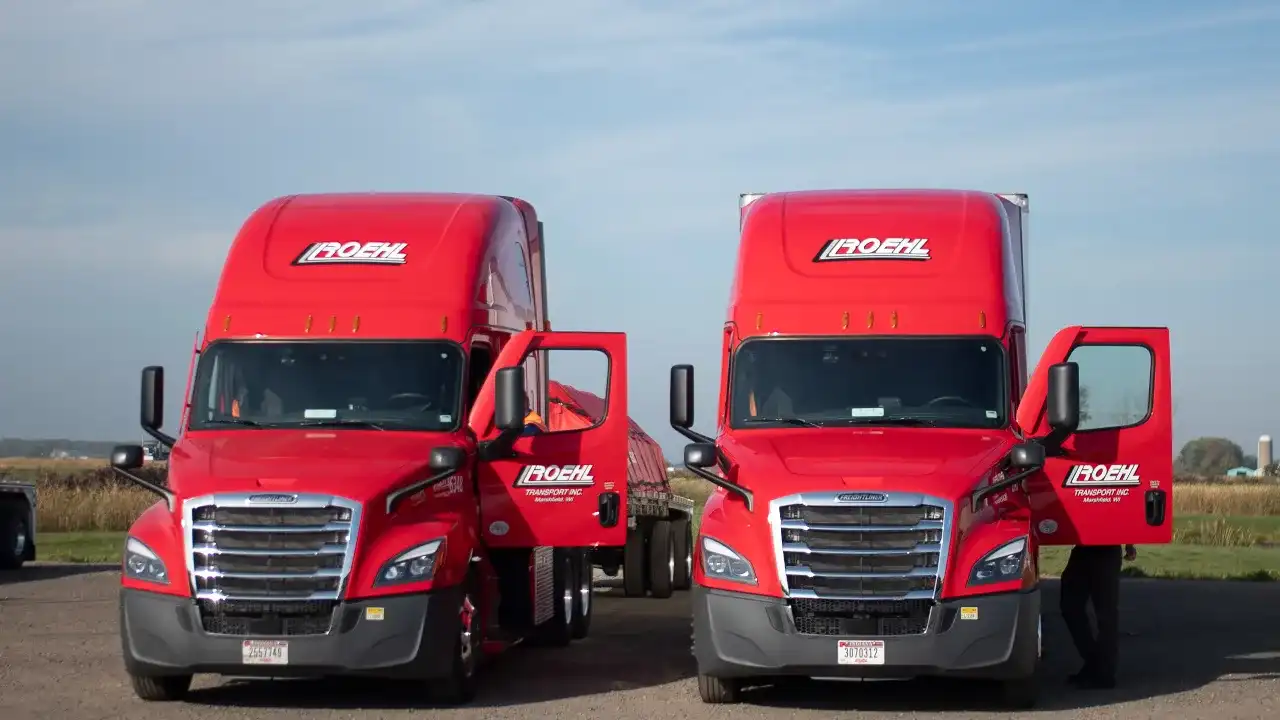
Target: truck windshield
933 382
404 385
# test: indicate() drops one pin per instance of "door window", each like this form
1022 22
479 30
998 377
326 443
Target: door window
1115 385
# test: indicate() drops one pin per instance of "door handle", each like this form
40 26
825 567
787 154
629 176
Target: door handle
1155 507
610 507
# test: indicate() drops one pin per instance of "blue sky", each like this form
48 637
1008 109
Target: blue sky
136 135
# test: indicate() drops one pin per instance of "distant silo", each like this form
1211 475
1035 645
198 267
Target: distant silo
1264 452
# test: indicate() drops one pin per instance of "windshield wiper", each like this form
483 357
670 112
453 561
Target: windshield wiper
905 420
785 420
234 421
336 422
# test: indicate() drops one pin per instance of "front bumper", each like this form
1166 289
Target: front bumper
416 638
736 635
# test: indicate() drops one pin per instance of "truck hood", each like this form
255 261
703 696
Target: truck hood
939 461
357 464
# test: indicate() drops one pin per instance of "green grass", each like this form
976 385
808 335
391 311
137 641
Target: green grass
1227 531
81 547
1186 562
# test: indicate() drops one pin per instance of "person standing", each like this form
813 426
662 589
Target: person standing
1093 574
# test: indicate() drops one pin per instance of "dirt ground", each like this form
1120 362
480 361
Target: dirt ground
1191 649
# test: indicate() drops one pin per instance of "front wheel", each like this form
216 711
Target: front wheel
164 688
459 687
1020 693
719 691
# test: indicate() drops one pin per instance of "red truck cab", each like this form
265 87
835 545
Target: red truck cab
351 489
887 466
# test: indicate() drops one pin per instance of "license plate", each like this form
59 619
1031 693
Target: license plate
860 652
265 652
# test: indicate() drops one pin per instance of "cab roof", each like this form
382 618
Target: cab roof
910 262
377 264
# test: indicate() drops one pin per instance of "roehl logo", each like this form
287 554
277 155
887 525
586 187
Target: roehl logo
352 253
1102 476
555 476
893 248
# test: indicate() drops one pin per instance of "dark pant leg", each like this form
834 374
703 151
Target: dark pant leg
1073 600
1105 583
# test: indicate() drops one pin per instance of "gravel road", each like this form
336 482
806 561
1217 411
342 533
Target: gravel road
1191 649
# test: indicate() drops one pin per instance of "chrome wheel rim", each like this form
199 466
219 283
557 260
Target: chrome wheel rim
468 616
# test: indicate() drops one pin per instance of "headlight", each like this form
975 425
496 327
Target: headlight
721 562
1000 565
413 565
142 563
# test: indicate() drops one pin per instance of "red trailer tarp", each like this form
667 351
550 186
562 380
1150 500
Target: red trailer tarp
570 408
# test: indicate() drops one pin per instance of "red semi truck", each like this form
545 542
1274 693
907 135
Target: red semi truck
887 467
355 490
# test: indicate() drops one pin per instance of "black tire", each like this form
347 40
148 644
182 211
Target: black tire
635 565
558 631
459 688
1020 693
165 688
583 601
718 691
662 560
13 536
682 537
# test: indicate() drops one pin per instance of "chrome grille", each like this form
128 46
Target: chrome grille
864 567
269 563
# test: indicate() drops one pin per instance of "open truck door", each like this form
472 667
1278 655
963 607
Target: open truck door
1110 481
562 488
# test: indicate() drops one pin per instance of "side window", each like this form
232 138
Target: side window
1018 362
478 367
577 395
1115 385
533 381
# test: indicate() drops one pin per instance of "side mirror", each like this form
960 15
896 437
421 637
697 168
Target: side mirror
509 399
700 455
446 459
127 457
682 397
152 414
1027 456
1064 397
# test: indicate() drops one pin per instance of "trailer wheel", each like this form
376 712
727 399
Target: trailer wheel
582 600
719 691
13 536
635 568
682 538
459 687
662 559
167 688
